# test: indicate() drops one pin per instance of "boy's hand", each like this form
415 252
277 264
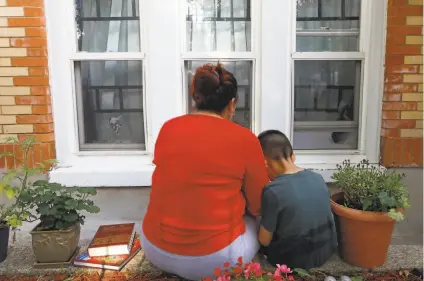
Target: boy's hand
265 236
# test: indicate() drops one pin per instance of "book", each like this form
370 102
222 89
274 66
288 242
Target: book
113 262
114 239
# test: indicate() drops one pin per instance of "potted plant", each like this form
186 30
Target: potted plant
12 184
55 239
371 201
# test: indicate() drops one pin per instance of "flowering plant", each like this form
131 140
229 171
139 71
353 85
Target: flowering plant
250 271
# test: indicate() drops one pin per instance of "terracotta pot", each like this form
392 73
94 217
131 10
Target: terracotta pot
55 245
4 241
364 237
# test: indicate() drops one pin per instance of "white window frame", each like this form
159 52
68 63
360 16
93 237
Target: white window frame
252 56
162 38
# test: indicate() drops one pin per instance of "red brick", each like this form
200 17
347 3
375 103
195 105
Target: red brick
390 133
390 78
386 114
402 69
396 21
397 3
37 52
398 124
23 22
43 128
403 30
40 100
387 145
399 105
33 12
9 161
404 49
34 61
31 81
25 3
397 152
394 60
28 42
404 11
40 91
38 71
395 40
41 109
392 97
400 88
47 137
34 119
35 32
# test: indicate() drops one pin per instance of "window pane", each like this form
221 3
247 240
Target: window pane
218 25
242 71
328 25
326 104
110 104
108 25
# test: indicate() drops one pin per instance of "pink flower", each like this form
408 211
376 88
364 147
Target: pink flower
223 278
291 278
283 268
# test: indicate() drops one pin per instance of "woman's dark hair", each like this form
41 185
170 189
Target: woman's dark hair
213 87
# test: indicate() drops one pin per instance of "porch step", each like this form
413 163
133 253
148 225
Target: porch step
21 258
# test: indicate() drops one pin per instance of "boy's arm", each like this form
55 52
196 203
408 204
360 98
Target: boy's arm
255 177
269 217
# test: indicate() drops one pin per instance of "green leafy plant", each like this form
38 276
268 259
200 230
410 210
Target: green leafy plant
56 206
16 180
372 188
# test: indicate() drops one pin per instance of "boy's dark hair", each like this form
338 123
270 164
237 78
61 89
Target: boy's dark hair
275 145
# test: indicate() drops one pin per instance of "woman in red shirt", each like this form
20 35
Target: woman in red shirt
209 170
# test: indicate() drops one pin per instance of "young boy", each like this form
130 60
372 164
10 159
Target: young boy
297 226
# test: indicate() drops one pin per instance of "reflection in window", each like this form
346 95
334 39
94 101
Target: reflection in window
218 25
328 25
108 25
242 71
110 104
326 104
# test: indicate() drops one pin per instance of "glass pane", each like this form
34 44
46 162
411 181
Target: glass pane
328 25
326 103
222 25
108 25
110 104
242 71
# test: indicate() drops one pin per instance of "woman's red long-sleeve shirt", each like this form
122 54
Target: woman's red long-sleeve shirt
205 168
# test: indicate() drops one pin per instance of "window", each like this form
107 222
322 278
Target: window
327 75
222 31
108 70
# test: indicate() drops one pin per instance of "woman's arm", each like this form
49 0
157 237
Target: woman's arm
255 177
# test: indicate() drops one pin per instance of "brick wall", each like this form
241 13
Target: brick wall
402 124
24 93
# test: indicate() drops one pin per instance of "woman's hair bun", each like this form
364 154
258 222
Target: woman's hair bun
213 87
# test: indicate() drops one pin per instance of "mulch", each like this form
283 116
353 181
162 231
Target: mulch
408 275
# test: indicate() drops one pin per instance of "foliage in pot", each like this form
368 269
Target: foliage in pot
12 184
59 210
372 200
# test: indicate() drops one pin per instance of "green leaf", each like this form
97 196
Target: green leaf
9 191
92 209
357 278
44 209
302 272
40 183
72 217
366 203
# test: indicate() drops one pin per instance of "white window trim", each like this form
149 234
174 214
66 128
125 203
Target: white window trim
163 42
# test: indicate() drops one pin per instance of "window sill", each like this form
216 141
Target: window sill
136 170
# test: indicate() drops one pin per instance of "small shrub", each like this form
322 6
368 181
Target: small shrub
372 188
